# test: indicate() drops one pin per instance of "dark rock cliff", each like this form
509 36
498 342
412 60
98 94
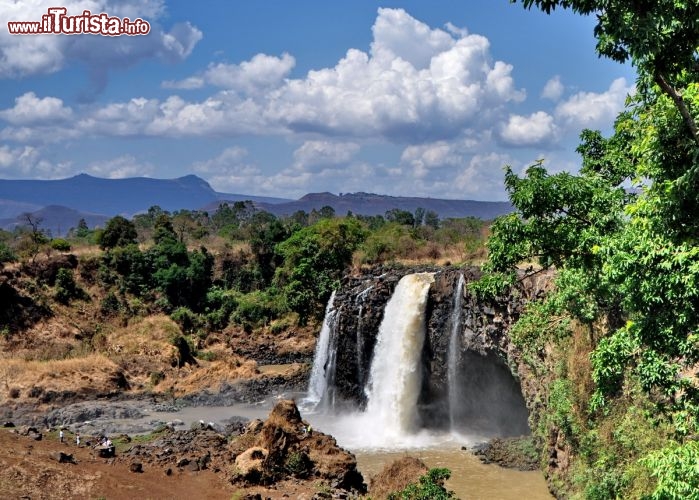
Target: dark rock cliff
493 390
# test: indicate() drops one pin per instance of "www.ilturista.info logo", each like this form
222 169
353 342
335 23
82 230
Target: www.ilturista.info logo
57 22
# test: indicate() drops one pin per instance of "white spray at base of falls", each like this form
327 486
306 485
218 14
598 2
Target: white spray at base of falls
322 363
395 375
455 349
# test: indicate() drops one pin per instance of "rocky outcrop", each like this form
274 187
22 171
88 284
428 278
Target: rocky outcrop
286 446
264 454
396 476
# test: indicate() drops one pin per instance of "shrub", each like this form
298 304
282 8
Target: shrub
60 244
188 321
299 464
430 487
6 254
66 288
110 305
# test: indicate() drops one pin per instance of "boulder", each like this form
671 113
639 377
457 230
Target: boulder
249 464
62 458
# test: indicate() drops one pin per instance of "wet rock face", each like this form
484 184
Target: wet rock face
360 305
489 365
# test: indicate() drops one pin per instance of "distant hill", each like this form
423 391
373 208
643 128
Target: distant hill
62 203
11 208
375 204
56 219
258 199
111 196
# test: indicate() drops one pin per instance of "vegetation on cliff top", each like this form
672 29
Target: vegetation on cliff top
623 235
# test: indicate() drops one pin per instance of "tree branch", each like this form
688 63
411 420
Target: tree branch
680 104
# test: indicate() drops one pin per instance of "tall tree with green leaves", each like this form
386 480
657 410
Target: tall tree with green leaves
629 256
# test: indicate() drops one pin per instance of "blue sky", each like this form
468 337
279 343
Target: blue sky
282 98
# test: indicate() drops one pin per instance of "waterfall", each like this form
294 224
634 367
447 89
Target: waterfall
454 349
395 375
360 338
323 360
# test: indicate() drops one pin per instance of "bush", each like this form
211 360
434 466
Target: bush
66 288
257 309
186 319
60 244
156 378
675 468
430 487
299 464
110 305
6 254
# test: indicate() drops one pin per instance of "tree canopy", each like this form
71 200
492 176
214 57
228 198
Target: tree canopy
623 233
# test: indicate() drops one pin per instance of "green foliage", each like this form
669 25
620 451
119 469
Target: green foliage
402 217
560 408
430 487
66 287
156 378
314 260
188 321
299 464
60 244
389 242
185 351
110 305
82 231
258 308
6 254
676 468
627 264
119 232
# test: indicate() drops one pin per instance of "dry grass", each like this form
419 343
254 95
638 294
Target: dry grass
150 336
396 476
91 373
212 374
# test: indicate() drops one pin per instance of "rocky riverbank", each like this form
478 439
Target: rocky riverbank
277 458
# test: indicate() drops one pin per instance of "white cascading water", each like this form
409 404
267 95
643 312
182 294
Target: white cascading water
318 384
360 327
395 375
454 349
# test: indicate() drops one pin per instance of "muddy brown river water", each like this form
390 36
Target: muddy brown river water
470 479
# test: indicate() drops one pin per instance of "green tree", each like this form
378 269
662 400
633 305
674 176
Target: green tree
314 259
402 217
82 231
119 232
60 244
656 36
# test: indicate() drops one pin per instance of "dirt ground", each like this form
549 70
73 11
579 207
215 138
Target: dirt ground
27 471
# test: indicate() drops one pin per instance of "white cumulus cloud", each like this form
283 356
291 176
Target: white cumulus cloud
30 109
324 153
121 167
553 89
591 109
537 128
22 56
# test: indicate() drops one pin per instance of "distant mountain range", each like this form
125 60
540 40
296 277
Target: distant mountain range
62 203
376 204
